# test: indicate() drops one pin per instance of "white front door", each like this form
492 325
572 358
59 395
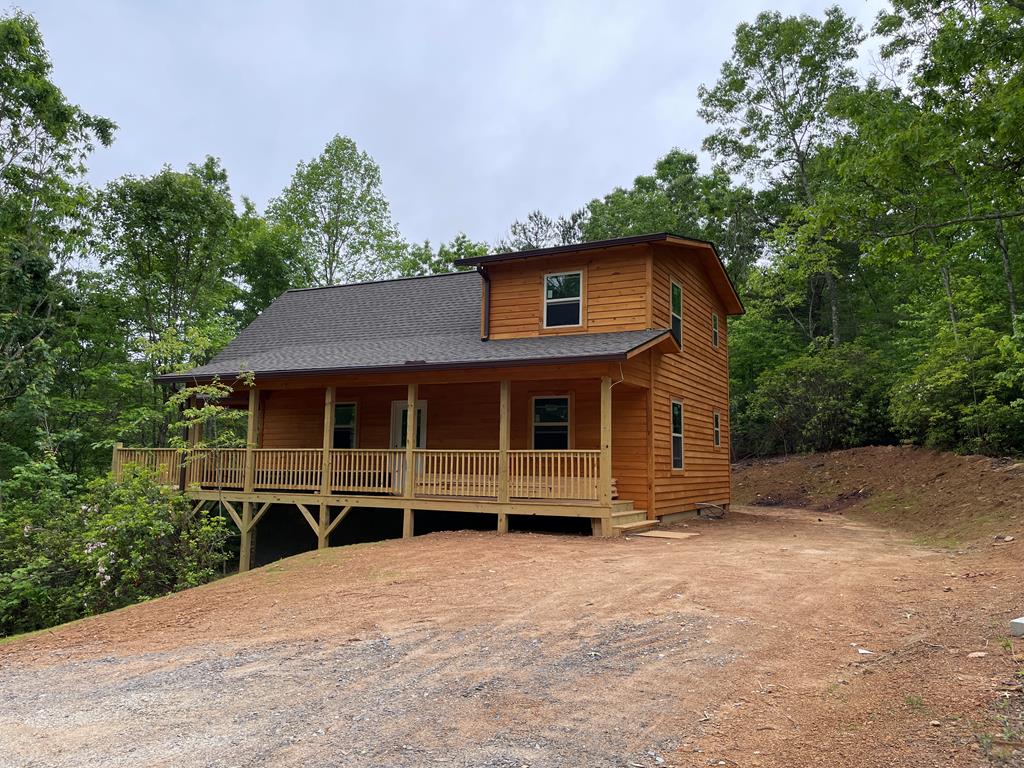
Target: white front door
399 420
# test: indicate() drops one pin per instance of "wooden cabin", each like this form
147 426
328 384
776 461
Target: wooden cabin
587 380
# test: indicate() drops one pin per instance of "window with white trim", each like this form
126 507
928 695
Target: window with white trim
344 425
551 423
563 299
717 417
676 305
677 435
714 329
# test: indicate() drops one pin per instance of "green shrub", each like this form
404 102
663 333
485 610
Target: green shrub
67 552
820 401
967 395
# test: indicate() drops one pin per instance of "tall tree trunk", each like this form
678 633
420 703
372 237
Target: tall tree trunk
833 302
1011 293
949 301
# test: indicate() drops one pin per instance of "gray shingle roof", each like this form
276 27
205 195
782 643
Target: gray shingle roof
410 324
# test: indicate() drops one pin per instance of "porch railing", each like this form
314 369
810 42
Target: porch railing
541 475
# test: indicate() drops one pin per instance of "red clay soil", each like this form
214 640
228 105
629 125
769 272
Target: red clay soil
939 498
737 647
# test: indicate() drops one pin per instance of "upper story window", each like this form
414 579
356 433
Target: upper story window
717 417
714 329
345 425
677 435
677 311
563 302
551 423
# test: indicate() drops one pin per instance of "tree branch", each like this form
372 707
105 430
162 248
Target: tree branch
962 220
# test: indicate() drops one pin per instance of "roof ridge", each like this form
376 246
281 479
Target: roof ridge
380 282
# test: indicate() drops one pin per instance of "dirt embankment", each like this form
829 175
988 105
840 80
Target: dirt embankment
940 499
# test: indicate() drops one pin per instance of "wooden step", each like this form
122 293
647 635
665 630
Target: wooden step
621 506
629 516
634 526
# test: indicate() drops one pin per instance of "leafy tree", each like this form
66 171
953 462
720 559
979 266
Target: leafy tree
541 231
423 260
336 205
770 109
266 260
44 141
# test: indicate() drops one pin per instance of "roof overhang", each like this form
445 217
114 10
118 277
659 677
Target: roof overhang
712 259
664 342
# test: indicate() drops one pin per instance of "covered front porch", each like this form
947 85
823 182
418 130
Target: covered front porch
506 447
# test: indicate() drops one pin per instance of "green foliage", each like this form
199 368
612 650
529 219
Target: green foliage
825 399
423 260
968 394
336 206
67 551
140 541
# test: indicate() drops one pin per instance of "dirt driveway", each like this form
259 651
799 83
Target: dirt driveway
736 647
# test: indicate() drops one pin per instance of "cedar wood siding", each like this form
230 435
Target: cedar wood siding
614 293
699 377
623 289
465 416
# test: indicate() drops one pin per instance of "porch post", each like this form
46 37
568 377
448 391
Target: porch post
251 438
605 467
503 443
115 461
325 467
410 442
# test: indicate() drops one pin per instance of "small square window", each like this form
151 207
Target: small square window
677 435
563 303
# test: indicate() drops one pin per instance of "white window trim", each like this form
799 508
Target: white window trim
714 330
673 435
355 421
716 426
578 299
567 423
673 283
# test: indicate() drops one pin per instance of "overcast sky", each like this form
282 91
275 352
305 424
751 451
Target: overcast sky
476 112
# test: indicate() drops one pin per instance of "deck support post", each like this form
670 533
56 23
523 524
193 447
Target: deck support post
407 523
605 465
410 443
325 468
503 442
245 546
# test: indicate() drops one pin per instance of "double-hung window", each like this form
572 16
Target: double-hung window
551 423
344 425
676 299
563 299
714 329
718 429
677 435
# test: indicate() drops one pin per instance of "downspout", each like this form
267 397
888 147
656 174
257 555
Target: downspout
485 328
